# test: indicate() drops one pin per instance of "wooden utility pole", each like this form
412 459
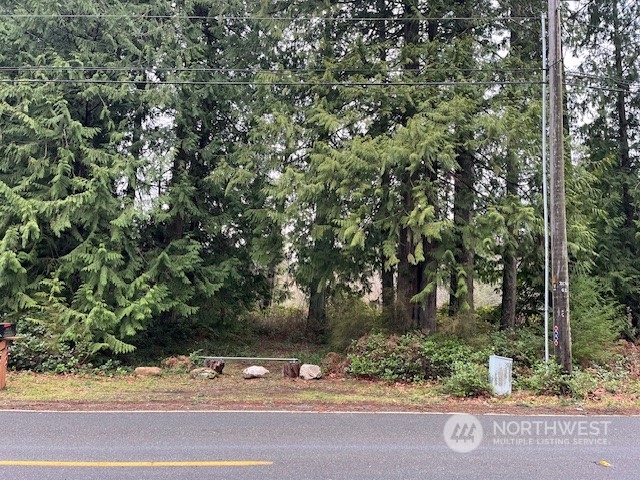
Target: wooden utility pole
559 255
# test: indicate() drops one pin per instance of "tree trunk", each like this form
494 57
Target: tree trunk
628 175
323 268
509 288
509 252
317 316
410 272
463 252
428 318
427 321
522 47
407 275
388 293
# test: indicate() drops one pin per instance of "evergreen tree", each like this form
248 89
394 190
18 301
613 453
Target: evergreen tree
202 242
520 161
124 210
606 35
70 234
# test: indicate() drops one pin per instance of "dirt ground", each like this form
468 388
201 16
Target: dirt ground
178 391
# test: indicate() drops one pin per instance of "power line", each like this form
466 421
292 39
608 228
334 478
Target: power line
603 78
599 87
154 69
263 18
271 83
232 71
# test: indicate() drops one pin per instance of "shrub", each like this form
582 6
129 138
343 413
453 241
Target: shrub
410 357
349 319
278 322
442 352
489 314
386 358
468 380
41 350
596 321
524 345
615 376
553 380
582 384
468 326
547 379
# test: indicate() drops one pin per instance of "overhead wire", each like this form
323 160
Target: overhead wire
229 71
257 71
268 83
266 18
615 83
607 82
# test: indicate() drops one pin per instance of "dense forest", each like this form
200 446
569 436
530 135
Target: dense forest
163 163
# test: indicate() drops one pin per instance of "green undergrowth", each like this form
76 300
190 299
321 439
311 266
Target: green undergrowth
410 357
453 361
461 369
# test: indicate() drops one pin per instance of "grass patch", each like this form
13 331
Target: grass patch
230 391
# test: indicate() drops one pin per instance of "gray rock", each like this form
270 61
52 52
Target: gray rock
204 373
310 372
148 371
255 372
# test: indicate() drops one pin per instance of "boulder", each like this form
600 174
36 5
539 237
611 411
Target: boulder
310 372
148 371
204 373
255 372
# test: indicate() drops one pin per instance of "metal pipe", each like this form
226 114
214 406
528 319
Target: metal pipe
262 359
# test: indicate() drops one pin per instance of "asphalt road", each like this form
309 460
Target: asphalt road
276 445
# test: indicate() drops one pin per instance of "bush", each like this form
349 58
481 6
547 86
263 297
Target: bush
41 350
410 357
547 379
468 380
278 322
582 384
471 327
489 314
614 377
524 345
553 380
442 352
597 321
386 358
349 319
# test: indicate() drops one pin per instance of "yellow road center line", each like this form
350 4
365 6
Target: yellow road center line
220 463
